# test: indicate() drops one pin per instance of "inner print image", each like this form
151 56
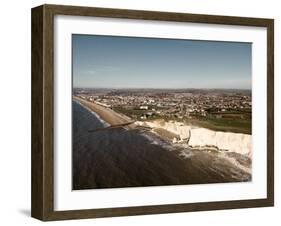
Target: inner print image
158 112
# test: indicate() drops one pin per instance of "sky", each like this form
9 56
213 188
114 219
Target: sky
134 62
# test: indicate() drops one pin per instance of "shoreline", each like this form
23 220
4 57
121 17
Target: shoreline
202 138
94 113
109 116
129 158
177 132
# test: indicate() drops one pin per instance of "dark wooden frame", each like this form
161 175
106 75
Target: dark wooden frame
42 203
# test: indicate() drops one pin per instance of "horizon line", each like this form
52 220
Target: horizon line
160 88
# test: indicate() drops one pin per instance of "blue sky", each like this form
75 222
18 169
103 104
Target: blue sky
129 62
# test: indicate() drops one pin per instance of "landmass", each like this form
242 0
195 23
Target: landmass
159 149
196 135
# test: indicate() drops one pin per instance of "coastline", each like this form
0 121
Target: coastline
94 113
153 161
174 132
200 138
106 114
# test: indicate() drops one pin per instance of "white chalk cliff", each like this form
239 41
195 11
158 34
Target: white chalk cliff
177 128
232 142
201 137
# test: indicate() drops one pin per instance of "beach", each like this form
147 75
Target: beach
108 115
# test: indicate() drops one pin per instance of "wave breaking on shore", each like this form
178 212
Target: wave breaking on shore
94 113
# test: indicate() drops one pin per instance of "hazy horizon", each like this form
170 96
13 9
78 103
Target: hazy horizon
162 88
115 62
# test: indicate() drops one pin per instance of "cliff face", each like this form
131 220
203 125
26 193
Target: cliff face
175 127
232 142
201 137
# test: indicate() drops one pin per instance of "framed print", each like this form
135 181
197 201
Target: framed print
141 112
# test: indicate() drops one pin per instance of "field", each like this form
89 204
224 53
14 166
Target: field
225 125
237 122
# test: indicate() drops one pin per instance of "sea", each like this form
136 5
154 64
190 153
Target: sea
120 157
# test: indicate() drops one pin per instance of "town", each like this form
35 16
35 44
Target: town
179 105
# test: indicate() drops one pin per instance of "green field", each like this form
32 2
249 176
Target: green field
132 113
235 125
225 125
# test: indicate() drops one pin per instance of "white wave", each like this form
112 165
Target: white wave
94 113
185 153
156 140
235 162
